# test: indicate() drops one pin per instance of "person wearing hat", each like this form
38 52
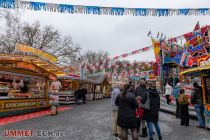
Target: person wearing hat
152 114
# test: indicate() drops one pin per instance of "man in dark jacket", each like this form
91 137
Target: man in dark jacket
141 91
152 115
84 92
197 98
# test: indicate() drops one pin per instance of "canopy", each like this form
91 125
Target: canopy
197 71
42 64
98 78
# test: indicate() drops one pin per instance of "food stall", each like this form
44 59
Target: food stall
203 71
24 80
69 85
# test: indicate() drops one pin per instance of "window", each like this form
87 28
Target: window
207 89
16 86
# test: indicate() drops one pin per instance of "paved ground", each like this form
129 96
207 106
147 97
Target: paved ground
93 122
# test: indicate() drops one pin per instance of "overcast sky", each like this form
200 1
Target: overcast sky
120 34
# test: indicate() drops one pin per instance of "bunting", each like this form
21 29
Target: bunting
99 10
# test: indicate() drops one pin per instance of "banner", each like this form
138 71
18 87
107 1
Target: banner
34 51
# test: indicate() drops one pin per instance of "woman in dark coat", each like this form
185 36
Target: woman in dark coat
126 118
152 115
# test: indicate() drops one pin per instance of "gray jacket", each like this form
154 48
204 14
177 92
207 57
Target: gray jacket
116 91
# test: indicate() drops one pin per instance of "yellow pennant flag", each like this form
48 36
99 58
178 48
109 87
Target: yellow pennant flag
156 45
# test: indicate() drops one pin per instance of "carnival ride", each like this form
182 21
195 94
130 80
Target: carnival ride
203 72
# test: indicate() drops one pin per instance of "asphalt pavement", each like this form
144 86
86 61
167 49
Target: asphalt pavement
92 121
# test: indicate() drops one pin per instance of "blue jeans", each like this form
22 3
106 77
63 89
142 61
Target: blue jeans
199 109
150 128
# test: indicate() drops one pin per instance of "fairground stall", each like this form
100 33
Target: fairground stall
24 80
67 93
100 86
70 83
203 71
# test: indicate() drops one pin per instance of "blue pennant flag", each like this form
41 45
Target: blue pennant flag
66 8
117 11
183 11
203 11
7 4
162 12
92 10
140 12
37 6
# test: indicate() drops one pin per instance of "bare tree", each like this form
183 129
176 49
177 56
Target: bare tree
94 58
45 38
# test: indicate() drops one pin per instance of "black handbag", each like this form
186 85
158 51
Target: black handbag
192 100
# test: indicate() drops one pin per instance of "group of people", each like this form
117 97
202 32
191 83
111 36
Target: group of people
134 109
182 103
80 94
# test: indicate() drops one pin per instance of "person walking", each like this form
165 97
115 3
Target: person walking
197 100
184 110
126 118
168 92
152 114
115 92
141 91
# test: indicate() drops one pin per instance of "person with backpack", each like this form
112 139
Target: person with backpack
184 110
126 118
197 100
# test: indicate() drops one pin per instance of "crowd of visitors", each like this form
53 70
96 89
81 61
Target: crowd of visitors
137 109
134 109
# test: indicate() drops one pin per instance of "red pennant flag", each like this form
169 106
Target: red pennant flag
124 55
197 26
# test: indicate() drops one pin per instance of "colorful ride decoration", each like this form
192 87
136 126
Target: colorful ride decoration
203 71
173 57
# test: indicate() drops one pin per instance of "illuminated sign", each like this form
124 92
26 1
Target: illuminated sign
19 105
23 65
203 62
40 53
22 105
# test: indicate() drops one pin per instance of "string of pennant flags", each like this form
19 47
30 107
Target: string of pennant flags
99 10
107 63
137 66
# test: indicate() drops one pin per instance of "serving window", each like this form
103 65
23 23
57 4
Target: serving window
68 85
19 86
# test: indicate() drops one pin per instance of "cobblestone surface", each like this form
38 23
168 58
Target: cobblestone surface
93 122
